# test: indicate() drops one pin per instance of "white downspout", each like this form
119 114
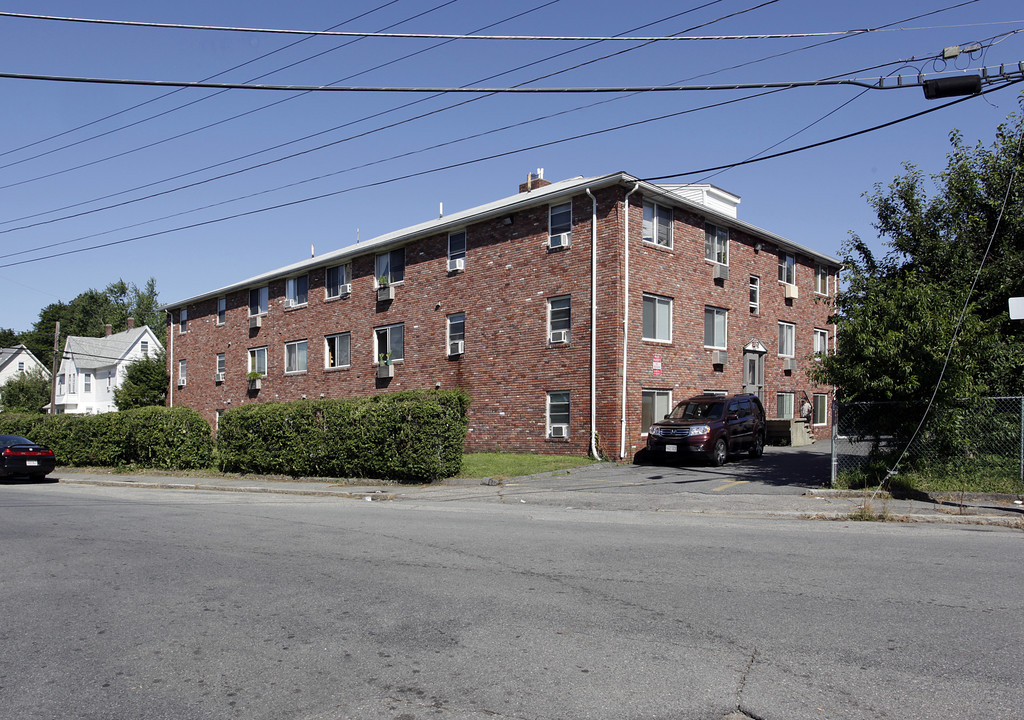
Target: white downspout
593 327
625 322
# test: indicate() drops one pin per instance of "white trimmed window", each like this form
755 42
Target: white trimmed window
656 404
787 268
183 320
338 350
258 360
716 321
259 301
182 371
784 405
457 251
456 334
820 408
391 266
657 318
820 341
389 342
716 244
221 364
222 310
821 280
787 339
144 347
297 290
87 382
559 319
558 414
560 225
295 357
755 294
657 225
336 281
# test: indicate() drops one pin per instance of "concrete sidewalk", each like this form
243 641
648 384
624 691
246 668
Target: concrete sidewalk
607 487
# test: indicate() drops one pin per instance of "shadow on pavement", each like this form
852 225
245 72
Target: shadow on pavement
808 466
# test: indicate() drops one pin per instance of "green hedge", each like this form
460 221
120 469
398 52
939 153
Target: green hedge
414 436
153 437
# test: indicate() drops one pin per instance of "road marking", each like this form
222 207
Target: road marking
730 484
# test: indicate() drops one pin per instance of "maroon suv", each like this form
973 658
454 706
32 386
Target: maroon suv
714 426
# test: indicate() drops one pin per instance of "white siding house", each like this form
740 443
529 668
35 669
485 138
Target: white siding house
17 360
92 368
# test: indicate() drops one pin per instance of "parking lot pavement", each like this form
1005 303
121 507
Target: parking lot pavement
785 482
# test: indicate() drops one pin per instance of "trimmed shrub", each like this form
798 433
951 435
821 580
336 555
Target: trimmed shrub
414 436
153 437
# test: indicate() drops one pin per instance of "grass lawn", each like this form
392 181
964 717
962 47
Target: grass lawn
506 465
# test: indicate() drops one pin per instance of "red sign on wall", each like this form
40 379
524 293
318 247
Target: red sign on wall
656 364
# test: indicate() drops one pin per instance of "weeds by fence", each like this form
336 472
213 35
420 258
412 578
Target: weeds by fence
975 445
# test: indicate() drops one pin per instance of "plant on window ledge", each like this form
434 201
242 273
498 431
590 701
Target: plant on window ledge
383 281
255 380
385 290
384 358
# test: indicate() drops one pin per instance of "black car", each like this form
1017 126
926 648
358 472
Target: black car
713 426
20 457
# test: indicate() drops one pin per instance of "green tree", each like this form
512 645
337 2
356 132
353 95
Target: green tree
8 338
145 383
26 392
896 315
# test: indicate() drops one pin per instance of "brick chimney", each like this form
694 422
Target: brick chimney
131 323
534 181
107 329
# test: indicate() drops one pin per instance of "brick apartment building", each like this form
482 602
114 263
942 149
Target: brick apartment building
571 322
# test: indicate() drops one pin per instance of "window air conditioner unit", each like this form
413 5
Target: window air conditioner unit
256 321
456 264
345 289
559 431
789 364
719 357
181 382
559 336
218 377
456 347
721 272
385 293
791 292
561 240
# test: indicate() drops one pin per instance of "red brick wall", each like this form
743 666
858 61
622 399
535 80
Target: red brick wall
508 366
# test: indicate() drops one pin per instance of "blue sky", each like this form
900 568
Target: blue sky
69 148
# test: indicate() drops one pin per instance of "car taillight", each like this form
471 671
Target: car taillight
11 452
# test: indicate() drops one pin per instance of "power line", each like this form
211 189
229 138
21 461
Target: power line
461 36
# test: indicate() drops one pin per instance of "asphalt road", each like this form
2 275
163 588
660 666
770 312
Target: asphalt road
131 603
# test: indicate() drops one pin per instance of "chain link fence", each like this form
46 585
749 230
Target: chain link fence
979 443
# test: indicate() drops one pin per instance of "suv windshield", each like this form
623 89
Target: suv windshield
698 411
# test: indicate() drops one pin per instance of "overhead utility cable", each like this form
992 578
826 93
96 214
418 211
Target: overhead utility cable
460 36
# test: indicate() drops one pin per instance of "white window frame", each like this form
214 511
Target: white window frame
296 291
653 221
787 339
787 268
333 290
755 294
183 321
144 347
714 245
558 398
819 409
222 310
658 304
255 355
821 341
715 313
182 371
558 227
821 280
331 353
87 382
387 332
296 357
391 266
455 252
221 363
455 331
650 413
262 305
784 408
554 324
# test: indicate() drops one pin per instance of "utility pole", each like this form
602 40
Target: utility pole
56 367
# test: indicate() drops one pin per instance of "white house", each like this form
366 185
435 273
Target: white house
92 368
17 360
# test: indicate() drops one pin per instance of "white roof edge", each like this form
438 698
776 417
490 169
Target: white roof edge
512 203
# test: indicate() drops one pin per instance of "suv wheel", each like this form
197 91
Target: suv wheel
720 453
757 449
